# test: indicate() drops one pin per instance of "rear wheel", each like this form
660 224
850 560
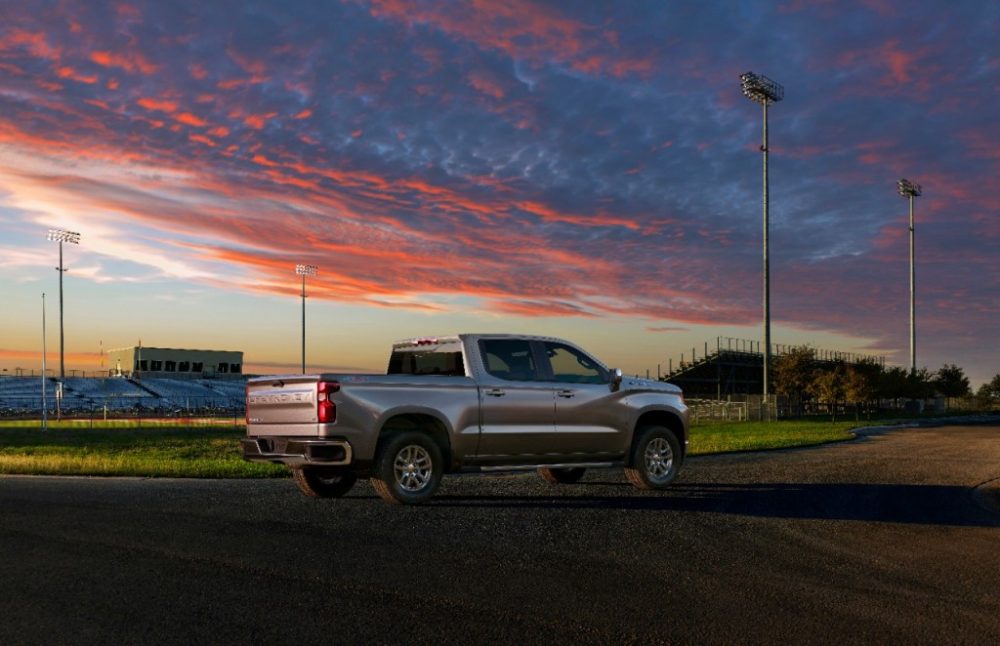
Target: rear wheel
655 459
323 482
408 468
564 475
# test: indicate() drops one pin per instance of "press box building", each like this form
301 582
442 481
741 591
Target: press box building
142 361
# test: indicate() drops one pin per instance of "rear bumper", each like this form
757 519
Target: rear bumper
297 451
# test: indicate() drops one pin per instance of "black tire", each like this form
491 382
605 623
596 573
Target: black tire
564 475
407 469
323 482
655 458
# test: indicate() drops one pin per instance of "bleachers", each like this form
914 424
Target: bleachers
25 386
22 396
203 396
177 388
232 391
19 395
109 387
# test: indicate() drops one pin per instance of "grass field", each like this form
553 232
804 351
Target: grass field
182 452
724 437
167 449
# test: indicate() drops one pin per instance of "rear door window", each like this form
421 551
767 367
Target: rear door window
509 359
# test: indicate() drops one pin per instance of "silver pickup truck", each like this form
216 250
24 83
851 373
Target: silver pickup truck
471 402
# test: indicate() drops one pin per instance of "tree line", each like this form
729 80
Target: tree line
806 381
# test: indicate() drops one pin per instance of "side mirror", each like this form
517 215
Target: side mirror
616 379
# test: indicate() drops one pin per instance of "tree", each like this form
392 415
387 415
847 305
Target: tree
893 384
828 386
920 384
860 381
991 389
793 373
951 381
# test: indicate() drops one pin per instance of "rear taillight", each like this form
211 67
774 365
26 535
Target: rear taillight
326 409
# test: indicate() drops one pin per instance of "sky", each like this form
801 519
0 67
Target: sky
587 170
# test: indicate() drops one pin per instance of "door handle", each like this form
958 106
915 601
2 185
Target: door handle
496 392
567 394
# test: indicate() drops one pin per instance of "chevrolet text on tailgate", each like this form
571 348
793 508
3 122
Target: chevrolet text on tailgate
472 402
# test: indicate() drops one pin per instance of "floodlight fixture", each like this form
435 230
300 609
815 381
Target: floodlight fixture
62 235
760 89
910 190
71 237
304 270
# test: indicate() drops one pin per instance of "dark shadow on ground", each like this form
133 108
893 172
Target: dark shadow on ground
914 504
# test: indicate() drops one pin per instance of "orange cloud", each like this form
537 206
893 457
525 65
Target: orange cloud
258 121
198 71
549 214
159 106
190 119
131 62
486 84
264 161
898 61
521 29
35 42
70 73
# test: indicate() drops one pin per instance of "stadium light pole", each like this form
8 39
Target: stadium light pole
762 90
304 270
45 405
72 237
910 190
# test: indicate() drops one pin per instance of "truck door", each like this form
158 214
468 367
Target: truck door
517 408
587 414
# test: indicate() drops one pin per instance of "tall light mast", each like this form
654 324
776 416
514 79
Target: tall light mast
762 90
304 270
910 190
72 237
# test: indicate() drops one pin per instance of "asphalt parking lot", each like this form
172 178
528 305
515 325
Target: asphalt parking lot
890 538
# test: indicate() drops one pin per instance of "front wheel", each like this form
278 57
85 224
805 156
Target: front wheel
655 459
323 482
564 475
408 468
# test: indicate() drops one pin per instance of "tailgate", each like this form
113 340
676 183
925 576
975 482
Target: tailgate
282 405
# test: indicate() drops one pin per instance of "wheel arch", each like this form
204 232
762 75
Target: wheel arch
422 422
667 419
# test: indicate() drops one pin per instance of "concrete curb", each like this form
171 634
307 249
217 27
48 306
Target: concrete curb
968 420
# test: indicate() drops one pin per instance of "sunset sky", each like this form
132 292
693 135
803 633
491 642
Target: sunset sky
588 170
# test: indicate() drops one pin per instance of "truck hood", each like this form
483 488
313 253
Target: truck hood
635 384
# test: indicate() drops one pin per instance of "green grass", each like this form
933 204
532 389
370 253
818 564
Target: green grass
129 451
723 437
167 449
